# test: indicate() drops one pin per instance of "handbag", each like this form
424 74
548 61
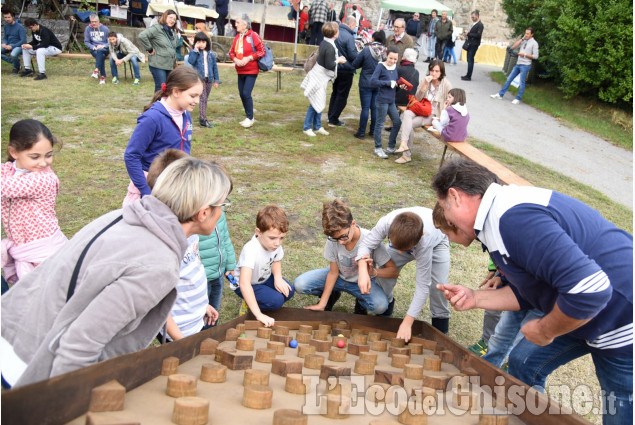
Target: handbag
265 63
311 60
466 44
421 108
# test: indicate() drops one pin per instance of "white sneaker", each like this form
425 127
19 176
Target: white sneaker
247 122
322 131
102 80
380 153
495 96
309 132
95 73
515 102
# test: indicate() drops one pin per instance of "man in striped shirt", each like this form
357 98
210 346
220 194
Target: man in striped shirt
559 256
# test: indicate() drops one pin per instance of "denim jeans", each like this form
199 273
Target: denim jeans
447 53
367 99
382 109
267 295
532 364
523 70
312 283
100 59
246 83
471 52
432 43
133 60
313 119
160 76
13 57
490 320
215 295
507 334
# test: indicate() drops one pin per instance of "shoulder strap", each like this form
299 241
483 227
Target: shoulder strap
73 283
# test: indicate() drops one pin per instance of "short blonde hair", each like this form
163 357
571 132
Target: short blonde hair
189 184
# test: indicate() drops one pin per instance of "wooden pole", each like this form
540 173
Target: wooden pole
262 21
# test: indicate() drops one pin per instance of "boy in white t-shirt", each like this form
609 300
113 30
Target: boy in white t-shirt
259 273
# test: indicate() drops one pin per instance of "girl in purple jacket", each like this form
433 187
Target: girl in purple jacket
454 118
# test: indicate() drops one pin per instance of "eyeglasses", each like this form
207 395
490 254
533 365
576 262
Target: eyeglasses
341 238
225 205
398 27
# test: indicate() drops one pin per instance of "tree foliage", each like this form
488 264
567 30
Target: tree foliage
587 45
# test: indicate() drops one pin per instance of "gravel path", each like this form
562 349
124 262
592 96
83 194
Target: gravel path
541 138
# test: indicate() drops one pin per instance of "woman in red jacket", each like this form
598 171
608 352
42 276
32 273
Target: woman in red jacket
245 52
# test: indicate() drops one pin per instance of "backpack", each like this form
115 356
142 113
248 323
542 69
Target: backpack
311 60
265 63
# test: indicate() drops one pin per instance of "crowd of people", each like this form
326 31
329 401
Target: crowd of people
562 274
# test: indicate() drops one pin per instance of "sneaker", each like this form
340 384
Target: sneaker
390 151
359 135
371 135
27 73
506 367
403 159
359 309
247 122
380 153
480 348
389 310
115 80
95 73
335 295
466 78
309 132
15 71
102 80
205 123
244 309
337 123
40 76
495 96
322 131
136 82
387 128
515 102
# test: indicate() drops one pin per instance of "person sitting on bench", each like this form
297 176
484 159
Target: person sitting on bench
43 44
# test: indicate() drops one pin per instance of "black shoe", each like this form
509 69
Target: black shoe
15 71
205 123
335 295
27 73
389 310
337 123
359 309
466 78
40 76
371 135
387 128
428 60
359 135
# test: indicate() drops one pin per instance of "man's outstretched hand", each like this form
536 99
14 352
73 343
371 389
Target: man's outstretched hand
460 297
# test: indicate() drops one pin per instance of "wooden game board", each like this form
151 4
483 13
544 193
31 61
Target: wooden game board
66 399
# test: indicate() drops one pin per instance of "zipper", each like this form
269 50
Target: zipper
220 253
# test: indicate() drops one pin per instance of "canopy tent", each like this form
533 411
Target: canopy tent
421 6
195 12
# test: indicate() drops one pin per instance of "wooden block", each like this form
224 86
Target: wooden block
221 352
107 397
346 333
276 345
424 395
313 361
355 349
493 419
281 330
266 355
343 324
190 411
427 344
415 348
368 355
235 361
245 344
413 371
240 328
337 355
461 382
379 345
341 386
324 327
208 346
321 335
364 367
305 349
389 377
374 336
320 345
307 329
289 417
97 419
436 380
255 377
399 350
337 407
337 339
432 363
264 333
283 367
379 392
303 338
399 360
359 339
446 356
232 334
357 332
397 342
412 414
464 400
297 383
257 397
169 366
181 385
213 372
285 339
326 371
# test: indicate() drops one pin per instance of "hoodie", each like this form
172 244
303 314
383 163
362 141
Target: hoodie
367 60
383 77
453 123
125 291
96 37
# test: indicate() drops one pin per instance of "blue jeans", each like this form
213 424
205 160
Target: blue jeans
532 364
160 76
507 334
100 59
432 42
267 295
312 283
215 295
312 120
246 83
382 109
133 60
523 70
449 51
367 99
13 57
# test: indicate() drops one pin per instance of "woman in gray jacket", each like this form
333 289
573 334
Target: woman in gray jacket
160 42
125 286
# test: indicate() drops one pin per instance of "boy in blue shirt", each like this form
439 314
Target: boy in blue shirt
12 41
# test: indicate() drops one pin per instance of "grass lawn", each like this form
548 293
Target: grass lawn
589 114
273 162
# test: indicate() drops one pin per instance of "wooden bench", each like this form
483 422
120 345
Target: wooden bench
126 65
470 152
